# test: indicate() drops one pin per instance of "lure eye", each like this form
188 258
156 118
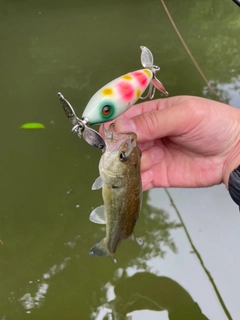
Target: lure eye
106 110
123 157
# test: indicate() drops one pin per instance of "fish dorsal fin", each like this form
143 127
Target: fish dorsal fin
98 215
97 184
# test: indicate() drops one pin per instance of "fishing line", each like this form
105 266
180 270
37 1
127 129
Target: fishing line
200 258
187 49
237 2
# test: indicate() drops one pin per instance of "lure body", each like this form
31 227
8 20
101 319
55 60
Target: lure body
114 99
117 96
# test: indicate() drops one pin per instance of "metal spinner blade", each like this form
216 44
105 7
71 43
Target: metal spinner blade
147 62
146 57
81 126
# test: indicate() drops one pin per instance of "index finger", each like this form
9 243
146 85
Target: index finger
157 104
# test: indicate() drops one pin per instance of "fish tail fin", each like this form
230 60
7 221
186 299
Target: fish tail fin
100 249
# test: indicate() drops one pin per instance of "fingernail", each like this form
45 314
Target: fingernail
125 124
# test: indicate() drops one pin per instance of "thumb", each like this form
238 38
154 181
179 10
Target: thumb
157 124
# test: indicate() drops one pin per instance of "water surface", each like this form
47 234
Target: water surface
76 47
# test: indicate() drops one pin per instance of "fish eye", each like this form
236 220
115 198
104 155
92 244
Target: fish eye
106 110
123 157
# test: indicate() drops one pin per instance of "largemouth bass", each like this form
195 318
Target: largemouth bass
120 179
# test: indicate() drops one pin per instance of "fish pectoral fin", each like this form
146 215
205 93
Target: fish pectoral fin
98 215
100 249
139 241
97 184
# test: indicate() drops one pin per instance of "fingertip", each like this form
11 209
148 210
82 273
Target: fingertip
147 187
125 125
147 177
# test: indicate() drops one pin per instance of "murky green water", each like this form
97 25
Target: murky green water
76 47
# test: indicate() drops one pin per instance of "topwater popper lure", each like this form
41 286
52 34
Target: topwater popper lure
114 99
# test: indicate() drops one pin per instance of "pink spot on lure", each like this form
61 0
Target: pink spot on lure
141 78
126 90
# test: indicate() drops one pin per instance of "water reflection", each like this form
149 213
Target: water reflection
165 281
158 224
146 291
227 92
133 285
31 301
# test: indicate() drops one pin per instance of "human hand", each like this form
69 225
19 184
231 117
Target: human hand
185 141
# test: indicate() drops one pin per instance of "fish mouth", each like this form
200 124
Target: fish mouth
111 134
114 140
